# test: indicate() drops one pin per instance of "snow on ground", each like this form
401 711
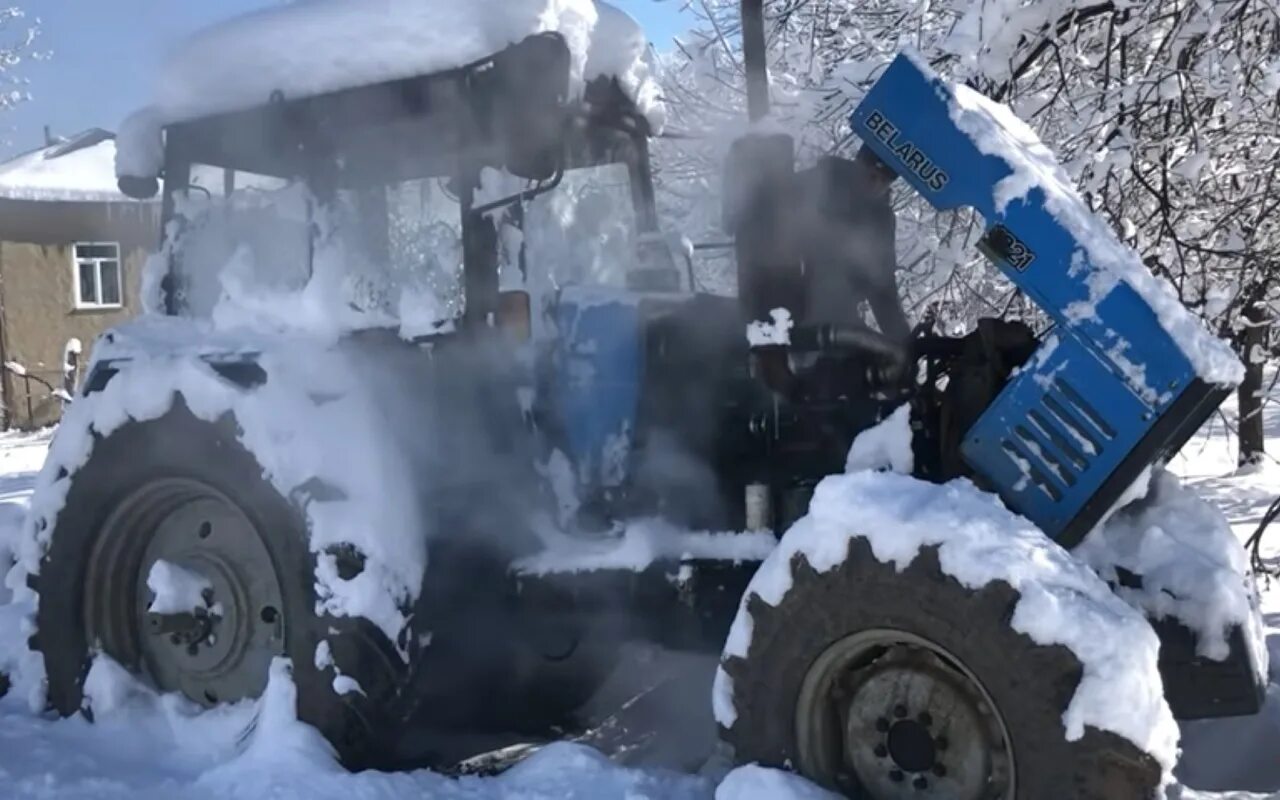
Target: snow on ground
21 456
150 748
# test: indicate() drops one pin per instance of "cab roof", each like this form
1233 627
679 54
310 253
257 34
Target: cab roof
321 46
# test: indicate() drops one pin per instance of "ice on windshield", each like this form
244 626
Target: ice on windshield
254 251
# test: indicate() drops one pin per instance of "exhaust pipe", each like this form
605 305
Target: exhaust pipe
755 60
758 185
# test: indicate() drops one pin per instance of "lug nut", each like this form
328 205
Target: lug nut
925 718
896 776
941 743
193 649
881 751
920 783
900 711
882 725
940 770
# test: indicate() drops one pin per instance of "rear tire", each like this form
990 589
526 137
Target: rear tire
865 626
81 611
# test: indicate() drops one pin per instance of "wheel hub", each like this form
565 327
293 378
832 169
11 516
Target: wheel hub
887 715
911 746
220 649
193 627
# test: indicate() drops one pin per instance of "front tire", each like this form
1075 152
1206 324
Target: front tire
884 684
185 491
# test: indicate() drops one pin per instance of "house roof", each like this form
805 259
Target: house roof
79 169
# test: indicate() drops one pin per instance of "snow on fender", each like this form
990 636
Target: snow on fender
263 486
978 542
315 422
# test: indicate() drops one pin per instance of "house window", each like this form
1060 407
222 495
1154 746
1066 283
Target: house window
97 275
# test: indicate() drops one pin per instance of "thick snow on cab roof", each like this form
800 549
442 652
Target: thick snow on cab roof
81 169
320 46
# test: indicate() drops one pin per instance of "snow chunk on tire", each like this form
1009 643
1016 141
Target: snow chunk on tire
885 446
979 541
277 739
176 589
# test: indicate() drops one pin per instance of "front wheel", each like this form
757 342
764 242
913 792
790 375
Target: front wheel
885 684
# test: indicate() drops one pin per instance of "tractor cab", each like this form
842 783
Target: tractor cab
511 194
430 204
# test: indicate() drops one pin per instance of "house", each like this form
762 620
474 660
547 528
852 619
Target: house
72 249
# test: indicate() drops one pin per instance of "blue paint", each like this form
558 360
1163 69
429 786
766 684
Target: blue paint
596 369
1028 443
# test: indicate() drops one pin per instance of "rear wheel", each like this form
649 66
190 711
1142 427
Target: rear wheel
886 684
180 500
219 646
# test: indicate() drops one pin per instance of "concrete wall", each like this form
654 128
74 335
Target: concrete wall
38 313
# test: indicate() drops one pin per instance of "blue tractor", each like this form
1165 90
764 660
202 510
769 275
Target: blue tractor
432 522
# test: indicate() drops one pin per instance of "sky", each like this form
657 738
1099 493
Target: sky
102 55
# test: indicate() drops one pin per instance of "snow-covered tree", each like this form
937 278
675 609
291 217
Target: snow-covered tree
17 35
1167 114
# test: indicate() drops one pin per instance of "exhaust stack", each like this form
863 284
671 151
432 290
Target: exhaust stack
759 174
755 60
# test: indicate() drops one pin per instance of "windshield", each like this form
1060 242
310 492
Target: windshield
582 232
249 250
253 250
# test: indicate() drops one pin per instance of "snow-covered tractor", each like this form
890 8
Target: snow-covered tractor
433 408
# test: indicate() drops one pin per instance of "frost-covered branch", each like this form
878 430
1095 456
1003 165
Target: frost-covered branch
17 37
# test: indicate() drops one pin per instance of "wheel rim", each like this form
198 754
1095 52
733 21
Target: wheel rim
886 714
220 649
